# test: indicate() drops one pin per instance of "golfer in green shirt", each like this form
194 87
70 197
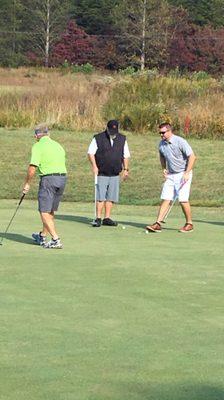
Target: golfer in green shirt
48 158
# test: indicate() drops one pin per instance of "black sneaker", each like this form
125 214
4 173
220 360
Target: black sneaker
109 222
96 223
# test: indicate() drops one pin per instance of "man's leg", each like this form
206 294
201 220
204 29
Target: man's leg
167 196
163 210
108 207
99 208
187 211
112 196
48 224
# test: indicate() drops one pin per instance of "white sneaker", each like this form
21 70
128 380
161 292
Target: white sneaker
53 244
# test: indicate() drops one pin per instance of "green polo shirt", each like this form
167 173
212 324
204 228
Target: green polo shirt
48 156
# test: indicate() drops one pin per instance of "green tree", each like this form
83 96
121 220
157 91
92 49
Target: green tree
96 16
11 34
203 12
45 20
146 28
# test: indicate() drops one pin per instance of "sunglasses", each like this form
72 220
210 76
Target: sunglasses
163 132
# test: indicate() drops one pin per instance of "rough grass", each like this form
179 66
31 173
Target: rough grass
82 102
145 181
117 314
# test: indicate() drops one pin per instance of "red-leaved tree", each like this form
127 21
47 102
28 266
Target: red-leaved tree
74 46
197 48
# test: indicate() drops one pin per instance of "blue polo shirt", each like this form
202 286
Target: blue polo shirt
176 152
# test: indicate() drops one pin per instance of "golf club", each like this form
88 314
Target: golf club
20 201
172 203
95 189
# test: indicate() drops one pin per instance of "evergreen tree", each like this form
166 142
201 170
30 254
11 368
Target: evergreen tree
96 16
11 34
203 12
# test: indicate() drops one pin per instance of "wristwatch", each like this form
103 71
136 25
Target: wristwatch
126 169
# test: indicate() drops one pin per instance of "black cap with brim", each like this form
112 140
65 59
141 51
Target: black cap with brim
112 127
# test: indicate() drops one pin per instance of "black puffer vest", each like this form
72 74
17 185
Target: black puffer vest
109 159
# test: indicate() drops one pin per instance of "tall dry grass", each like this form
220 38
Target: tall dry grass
82 102
71 101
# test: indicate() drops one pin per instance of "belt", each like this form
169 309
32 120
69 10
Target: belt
57 174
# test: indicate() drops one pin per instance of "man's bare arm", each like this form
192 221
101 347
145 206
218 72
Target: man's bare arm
30 174
92 160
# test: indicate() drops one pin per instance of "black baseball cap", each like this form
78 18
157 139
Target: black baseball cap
112 127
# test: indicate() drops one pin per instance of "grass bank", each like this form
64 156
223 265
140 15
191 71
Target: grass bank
145 181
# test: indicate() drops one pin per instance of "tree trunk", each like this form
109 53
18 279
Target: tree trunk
47 43
14 27
143 35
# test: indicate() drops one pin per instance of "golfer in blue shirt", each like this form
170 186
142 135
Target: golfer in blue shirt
177 160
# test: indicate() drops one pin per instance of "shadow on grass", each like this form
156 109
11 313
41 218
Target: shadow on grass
74 218
16 237
88 221
180 392
219 223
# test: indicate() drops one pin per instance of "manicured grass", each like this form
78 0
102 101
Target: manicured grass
145 180
117 314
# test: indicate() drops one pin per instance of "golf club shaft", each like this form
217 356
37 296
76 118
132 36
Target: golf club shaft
169 208
95 184
20 201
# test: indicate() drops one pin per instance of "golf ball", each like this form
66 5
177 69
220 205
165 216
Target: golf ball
146 232
123 227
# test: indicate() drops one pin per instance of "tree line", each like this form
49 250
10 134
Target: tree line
113 34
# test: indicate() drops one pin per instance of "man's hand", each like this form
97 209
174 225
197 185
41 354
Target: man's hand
165 173
125 174
26 188
186 176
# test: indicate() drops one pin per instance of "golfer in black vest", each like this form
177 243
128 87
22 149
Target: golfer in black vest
109 155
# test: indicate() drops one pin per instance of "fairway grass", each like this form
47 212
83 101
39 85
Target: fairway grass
116 314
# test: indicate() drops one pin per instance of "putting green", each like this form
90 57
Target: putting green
117 314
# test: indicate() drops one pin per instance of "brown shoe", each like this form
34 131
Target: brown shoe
187 228
156 227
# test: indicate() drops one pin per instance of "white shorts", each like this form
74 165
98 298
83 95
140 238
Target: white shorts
171 188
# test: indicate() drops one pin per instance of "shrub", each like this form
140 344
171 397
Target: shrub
84 68
141 103
128 71
200 76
